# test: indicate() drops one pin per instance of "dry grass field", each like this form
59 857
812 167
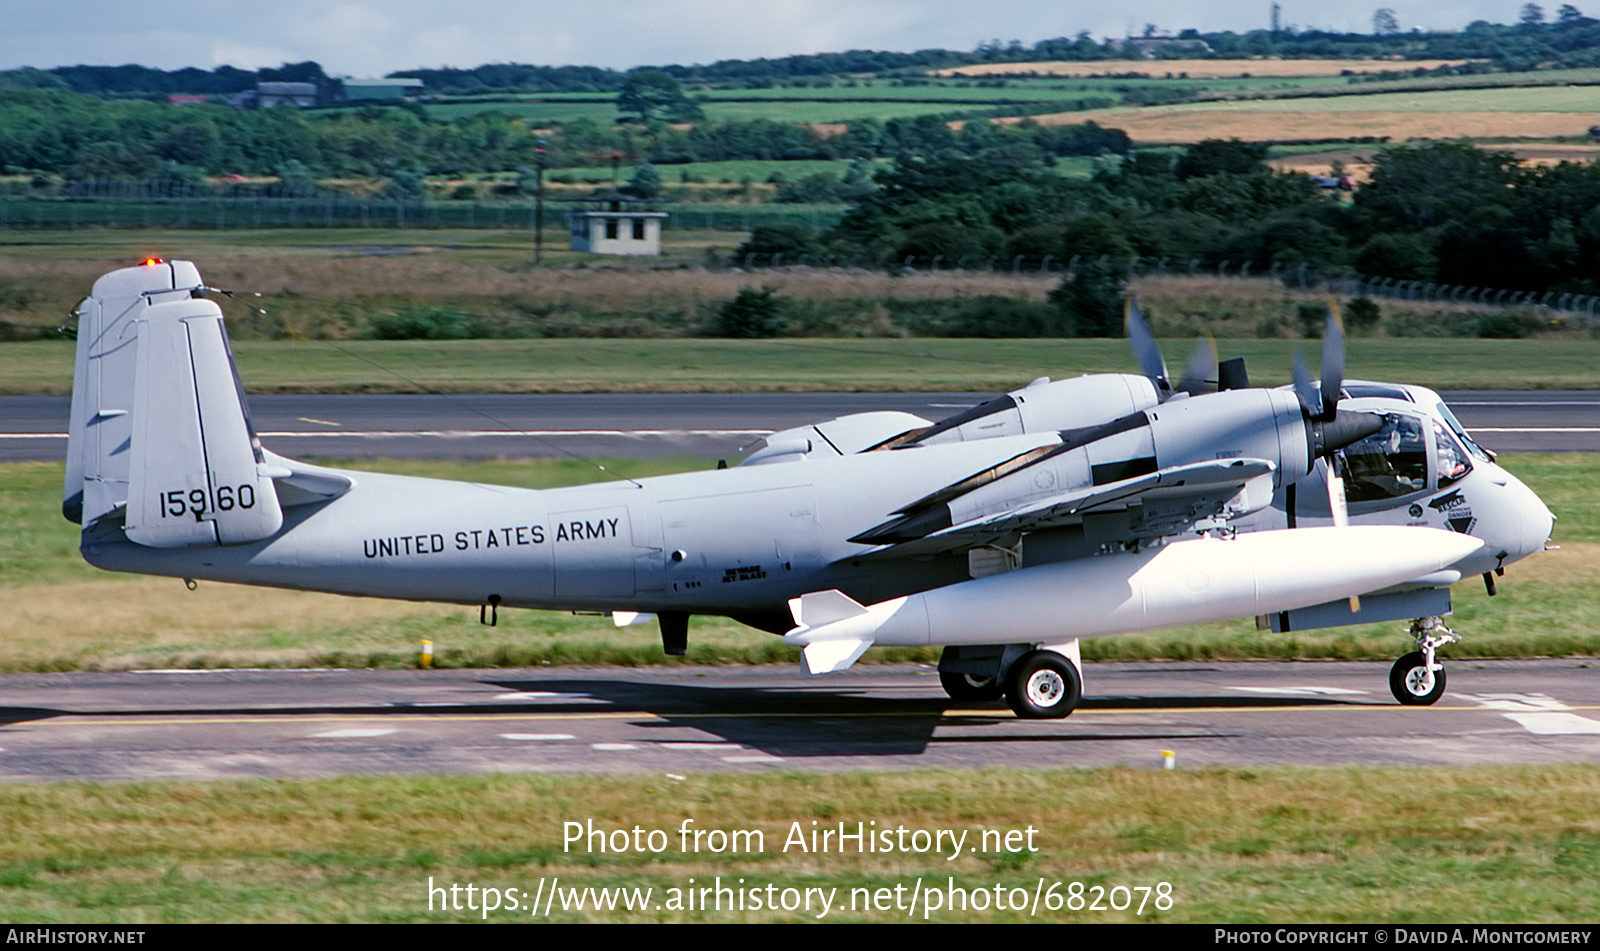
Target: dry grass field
1204 68
1177 125
1501 113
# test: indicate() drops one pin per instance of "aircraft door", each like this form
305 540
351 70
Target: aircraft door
739 549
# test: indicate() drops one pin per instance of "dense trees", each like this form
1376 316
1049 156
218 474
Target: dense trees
82 137
1444 212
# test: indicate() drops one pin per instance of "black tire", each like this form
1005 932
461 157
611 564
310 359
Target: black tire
1405 680
970 687
1043 685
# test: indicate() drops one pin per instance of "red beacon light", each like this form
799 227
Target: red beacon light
152 262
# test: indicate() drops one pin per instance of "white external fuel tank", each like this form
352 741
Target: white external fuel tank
1187 582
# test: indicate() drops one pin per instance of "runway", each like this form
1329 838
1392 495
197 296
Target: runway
705 425
680 719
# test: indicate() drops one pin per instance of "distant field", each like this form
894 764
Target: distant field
1206 68
1512 112
1511 99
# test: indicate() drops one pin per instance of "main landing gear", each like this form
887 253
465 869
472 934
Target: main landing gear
1043 685
1038 684
1417 679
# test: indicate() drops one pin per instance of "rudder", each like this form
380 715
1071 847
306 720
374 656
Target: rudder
159 430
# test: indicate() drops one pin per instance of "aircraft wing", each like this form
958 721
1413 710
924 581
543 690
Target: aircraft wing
1165 502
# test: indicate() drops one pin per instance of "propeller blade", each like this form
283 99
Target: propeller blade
1341 515
1304 388
1200 373
1336 501
1332 362
1143 343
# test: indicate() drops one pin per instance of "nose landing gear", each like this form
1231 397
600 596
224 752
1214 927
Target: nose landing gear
1417 679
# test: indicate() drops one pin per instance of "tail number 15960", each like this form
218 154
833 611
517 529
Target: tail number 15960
178 503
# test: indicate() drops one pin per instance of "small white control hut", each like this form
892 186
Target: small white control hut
616 225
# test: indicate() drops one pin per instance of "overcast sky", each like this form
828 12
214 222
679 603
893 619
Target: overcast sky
367 38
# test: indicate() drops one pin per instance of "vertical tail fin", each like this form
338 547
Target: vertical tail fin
159 431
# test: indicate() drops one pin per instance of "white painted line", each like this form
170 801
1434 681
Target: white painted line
1555 724
753 758
350 734
536 736
609 747
490 433
1302 691
1518 702
1536 429
1537 713
232 670
431 703
535 695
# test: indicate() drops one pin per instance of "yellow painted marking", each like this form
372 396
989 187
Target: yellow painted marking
320 422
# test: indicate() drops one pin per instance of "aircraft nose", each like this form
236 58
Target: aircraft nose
1530 522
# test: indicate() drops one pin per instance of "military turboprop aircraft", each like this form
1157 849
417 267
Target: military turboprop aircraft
1082 508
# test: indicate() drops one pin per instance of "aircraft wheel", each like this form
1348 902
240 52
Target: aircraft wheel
969 686
1408 681
1043 685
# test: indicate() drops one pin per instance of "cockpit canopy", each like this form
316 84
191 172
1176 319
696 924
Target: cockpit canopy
1413 453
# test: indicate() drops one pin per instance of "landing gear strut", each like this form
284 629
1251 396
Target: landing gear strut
1417 679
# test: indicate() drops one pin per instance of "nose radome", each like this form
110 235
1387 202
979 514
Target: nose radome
1534 520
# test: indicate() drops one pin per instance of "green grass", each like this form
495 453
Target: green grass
1485 844
756 170
792 365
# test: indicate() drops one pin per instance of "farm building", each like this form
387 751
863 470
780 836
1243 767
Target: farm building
614 224
270 95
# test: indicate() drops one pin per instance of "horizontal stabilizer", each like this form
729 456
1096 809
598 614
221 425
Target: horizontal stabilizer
300 483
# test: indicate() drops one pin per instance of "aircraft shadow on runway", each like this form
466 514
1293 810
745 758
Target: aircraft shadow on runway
844 721
784 721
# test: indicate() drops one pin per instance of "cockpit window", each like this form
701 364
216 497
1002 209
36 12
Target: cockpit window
1388 464
1453 460
1461 434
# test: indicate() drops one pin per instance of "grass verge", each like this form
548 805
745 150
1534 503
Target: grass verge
62 614
807 365
1481 844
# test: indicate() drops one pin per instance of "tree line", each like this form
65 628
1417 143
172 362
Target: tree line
1445 213
78 137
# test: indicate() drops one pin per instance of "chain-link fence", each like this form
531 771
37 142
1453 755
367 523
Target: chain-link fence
180 205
